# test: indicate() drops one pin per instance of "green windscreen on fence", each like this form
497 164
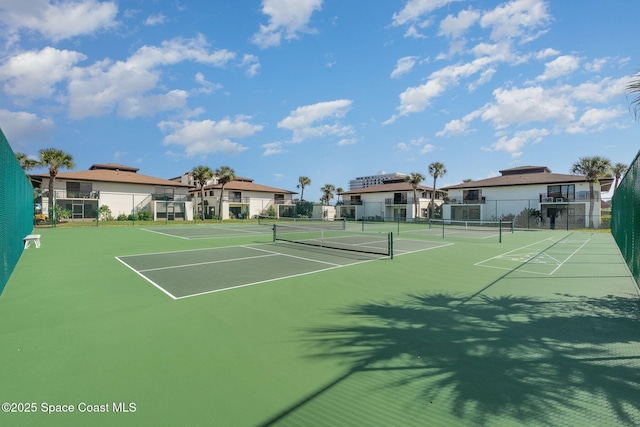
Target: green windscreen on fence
625 217
16 210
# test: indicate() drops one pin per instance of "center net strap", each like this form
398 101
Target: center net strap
355 241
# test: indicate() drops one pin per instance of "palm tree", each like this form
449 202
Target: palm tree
592 168
225 175
327 193
303 182
25 162
414 178
634 87
201 175
338 191
618 170
54 159
436 170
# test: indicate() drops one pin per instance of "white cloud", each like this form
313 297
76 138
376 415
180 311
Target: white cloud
22 128
418 98
347 141
155 20
104 86
546 53
150 105
59 20
559 67
273 148
403 146
515 144
521 19
34 74
597 116
252 64
304 121
415 9
286 19
454 27
208 136
454 128
600 91
596 65
403 66
207 86
412 33
427 148
595 119
531 104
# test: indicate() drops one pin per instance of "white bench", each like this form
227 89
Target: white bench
31 238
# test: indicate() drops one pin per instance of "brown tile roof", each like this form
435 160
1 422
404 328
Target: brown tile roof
110 175
528 179
248 186
385 188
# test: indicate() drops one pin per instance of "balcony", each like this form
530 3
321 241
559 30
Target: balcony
352 202
398 201
64 194
171 197
458 201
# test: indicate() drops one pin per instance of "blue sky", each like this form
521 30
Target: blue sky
328 89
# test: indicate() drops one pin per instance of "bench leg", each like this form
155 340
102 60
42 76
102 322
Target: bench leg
37 243
27 243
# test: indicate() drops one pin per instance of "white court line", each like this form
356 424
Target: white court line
271 253
163 234
270 280
574 252
148 280
205 263
514 250
297 257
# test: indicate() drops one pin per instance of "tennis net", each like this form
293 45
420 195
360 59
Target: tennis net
473 226
335 224
355 241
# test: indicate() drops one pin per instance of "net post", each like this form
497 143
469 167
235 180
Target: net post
443 228
390 239
274 233
500 233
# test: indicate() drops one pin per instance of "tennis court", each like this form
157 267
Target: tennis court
183 274
539 330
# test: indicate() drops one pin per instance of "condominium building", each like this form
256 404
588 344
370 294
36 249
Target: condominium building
372 180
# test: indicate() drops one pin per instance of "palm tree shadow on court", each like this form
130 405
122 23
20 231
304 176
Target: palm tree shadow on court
523 359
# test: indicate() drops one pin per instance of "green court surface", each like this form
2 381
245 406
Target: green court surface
218 325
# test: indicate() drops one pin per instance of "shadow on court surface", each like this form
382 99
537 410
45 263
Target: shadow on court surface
564 360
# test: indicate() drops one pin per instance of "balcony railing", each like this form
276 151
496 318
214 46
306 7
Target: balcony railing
352 202
64 194
171 197
459 201
581 196
398 201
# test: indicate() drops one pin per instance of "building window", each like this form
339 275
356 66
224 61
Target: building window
471 195
163 193
566 193
79 190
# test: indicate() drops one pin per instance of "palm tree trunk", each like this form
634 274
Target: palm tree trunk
202 201
591 203
52 198
220 203
433 197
